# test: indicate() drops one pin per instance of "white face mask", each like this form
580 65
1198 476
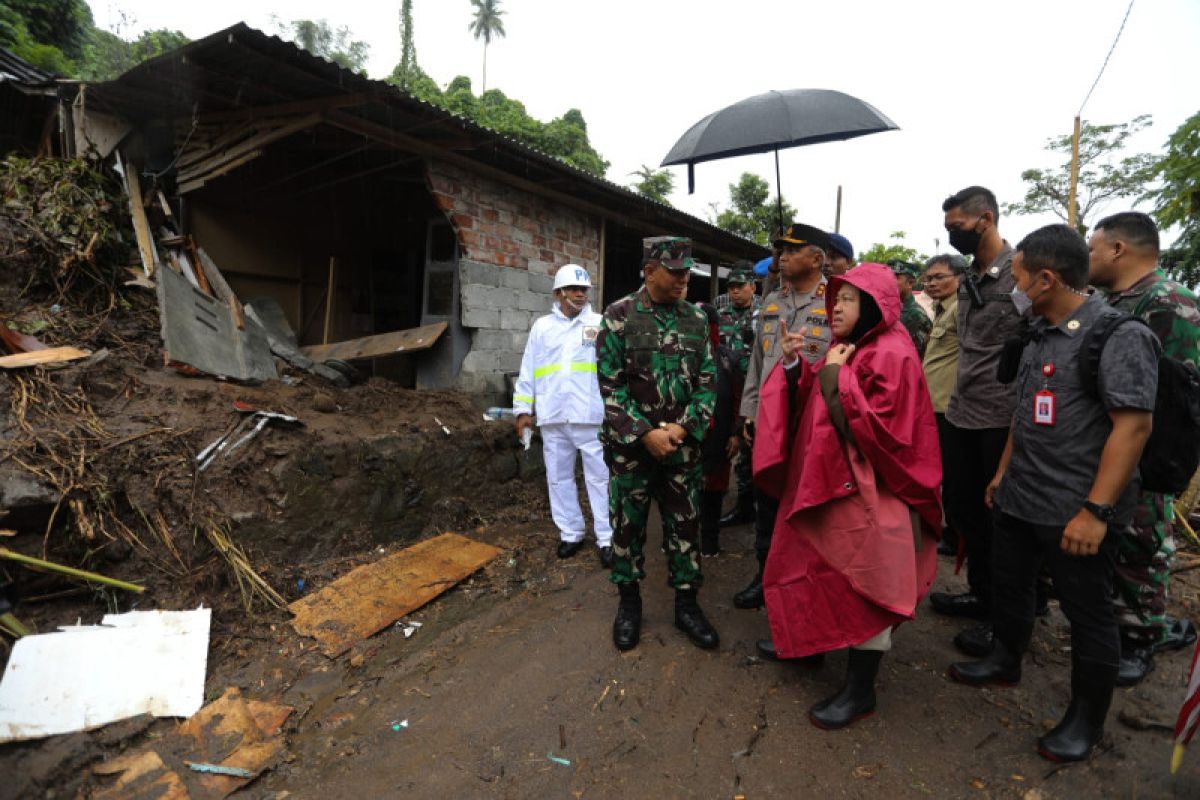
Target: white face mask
1022 301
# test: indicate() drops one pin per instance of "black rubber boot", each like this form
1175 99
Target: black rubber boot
856 698
627 627
710 522
1002 665
752 595
691 620
743 511
1137 661
1082 726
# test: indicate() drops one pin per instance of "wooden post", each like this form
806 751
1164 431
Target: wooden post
330 296
1071 201
837 219
137 211
599 306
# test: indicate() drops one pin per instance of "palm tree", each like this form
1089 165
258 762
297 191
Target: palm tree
485 25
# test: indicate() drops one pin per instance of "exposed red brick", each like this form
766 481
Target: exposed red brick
463 221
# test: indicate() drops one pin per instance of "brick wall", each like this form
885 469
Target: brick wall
512 242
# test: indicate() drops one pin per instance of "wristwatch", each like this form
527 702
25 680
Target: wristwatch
1101 511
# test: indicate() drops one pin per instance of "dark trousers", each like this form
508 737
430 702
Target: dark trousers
1083 583
765 509
969 459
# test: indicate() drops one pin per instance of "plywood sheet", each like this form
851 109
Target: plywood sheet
382 344
373 596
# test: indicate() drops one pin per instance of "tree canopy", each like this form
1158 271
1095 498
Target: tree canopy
893 250
753 213
486 25
656 184
1177 200
1104 174
321 39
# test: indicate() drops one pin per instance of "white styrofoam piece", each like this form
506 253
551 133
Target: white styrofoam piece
90 675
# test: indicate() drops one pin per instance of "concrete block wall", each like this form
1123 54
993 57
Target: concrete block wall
511 244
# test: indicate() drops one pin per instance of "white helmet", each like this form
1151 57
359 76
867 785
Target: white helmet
571 275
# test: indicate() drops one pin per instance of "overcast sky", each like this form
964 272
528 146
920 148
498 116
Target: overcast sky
976 88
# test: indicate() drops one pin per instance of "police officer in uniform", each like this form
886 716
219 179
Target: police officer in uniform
657 378
798 306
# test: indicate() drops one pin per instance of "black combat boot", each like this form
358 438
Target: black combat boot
743 511
856 698
752 595
1001 665
710 522
1137 661
1082 726
627 627
690 619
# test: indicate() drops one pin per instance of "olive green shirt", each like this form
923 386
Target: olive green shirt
941 354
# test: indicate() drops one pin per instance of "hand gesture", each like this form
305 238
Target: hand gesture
791 343
839 354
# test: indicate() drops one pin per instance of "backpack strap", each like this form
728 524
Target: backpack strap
1093 347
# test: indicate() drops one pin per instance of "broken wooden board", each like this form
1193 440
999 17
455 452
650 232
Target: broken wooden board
371 597
382 344
50 355
230 731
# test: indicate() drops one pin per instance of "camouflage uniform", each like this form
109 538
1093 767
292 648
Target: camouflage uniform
1144 551
656 367
737 333
917 323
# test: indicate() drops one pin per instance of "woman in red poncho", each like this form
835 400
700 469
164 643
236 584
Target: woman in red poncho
850 447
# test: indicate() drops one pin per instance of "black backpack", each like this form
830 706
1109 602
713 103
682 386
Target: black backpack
1172 453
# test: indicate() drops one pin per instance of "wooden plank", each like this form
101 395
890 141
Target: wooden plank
202 168
51 355
141 226
371 597
254 113
330 298
197 183
381 344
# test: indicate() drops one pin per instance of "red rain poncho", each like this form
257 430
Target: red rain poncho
844 563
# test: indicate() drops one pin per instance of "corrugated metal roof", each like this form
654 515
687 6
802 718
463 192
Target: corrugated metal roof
19 70
241 68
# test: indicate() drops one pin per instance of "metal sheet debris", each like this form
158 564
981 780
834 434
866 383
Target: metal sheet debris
90 675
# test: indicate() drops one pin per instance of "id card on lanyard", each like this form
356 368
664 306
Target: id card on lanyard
1044 410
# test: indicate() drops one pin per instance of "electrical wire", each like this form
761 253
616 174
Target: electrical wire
1106 58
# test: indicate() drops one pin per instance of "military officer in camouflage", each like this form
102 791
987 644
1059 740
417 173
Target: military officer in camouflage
657 378
912 316
798 306
738 319
1124 263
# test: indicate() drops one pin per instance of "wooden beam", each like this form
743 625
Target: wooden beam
137 210
382 344
198 183
253 113
51 355
253 143
330 298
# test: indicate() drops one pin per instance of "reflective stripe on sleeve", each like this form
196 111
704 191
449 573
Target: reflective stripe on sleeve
583 366
549 369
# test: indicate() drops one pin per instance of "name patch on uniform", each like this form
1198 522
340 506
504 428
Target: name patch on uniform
590 332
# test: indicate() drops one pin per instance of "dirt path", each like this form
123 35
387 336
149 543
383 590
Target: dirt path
492 687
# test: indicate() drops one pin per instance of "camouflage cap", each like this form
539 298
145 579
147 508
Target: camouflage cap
673 252
741 272
800 234
904 268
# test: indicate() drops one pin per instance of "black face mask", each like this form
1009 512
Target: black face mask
965 241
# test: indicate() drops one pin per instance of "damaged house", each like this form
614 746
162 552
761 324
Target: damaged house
371 226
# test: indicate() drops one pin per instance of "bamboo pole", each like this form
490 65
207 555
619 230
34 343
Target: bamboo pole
12 626
1071 195
69 571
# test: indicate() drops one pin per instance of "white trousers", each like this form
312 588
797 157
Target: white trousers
560 443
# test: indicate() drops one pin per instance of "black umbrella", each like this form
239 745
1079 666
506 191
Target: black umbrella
774 121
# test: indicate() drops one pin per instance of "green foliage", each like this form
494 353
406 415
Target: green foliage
895 249
318 38
1177 200
1103 175
42 39
486 25
63 25
107 55
655 184
753 214
407 71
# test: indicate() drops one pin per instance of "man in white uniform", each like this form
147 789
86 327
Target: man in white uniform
558 374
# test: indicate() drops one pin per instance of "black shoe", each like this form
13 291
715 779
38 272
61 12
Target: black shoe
856 698
1179 634
568 549
1082 727
766 649
975 641
606 557
627 627
690 619
752 595
1001 665
743 512
959 605
1136 663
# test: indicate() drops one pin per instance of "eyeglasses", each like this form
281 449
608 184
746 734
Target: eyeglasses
937 278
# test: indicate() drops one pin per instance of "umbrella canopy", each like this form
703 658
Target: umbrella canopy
775 121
